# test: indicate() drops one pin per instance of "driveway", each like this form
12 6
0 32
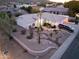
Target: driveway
73 51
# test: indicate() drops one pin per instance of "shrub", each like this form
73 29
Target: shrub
29 9
23 8
18 14
54 26
47 25
23 32
29 37
10 37
14 30
35 10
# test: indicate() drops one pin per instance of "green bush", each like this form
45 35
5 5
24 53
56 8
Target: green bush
47 25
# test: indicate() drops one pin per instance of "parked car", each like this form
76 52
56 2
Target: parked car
74 21
61 26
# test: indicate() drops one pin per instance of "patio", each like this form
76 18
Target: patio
49 40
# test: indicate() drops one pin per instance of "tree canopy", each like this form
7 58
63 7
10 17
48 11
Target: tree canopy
7 24
30 9
73 7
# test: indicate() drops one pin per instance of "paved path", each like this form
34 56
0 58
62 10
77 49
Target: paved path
73 51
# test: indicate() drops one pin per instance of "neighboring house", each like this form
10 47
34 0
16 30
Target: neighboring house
13 10
17 11
2 7
51 4
56 10
25 5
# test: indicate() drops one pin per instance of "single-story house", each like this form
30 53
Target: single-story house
56 10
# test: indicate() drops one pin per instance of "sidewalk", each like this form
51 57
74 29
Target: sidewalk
73 51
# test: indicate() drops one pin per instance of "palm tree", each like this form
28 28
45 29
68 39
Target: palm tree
39 27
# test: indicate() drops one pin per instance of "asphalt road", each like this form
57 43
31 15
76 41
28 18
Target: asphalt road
73 51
